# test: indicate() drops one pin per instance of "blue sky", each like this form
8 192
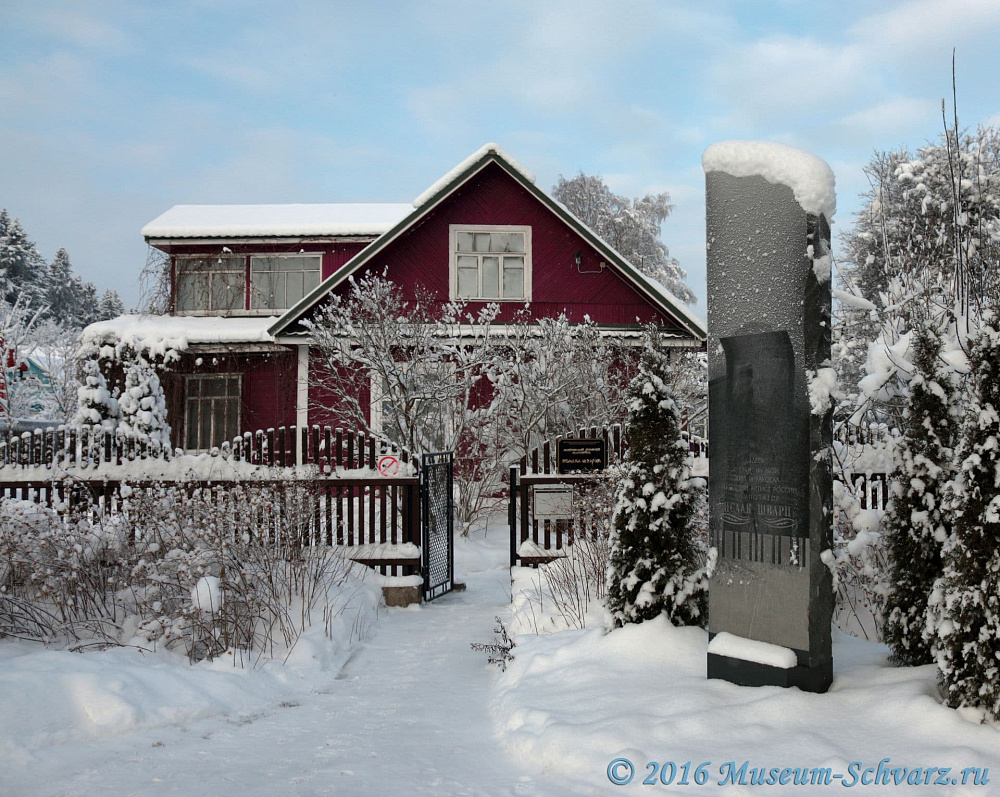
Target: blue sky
111 112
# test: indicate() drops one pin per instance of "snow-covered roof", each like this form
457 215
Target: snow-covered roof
258 221
448 178
159 334
810 178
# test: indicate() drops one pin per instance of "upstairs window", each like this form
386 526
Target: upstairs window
210 284
211 410
490 263
277 282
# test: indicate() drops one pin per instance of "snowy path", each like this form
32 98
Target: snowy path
407 714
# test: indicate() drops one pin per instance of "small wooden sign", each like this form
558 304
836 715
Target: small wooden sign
581 455
552 502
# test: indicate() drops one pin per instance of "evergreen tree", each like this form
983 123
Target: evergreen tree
96 405
964 608
653 566
87 310
110 306
916 523
143 405
22 270
631 226
63 295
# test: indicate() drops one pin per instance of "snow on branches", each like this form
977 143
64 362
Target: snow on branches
963 618
916 522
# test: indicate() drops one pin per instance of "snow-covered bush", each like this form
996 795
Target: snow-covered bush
191 568
654 564
964 607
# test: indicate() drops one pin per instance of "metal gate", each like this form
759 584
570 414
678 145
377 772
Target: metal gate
437 524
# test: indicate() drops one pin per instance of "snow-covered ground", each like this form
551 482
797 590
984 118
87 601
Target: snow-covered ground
411 709
408 712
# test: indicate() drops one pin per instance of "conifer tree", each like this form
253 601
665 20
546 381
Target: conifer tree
63 293
143 405
964 608
110 306
916 523
653 565
22 270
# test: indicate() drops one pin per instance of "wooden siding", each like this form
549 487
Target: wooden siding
420 256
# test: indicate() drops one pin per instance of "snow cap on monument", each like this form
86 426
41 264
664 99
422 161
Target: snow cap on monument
810 178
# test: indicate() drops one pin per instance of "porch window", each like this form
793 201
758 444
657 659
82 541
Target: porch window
490 262
209 284
211 410
277 282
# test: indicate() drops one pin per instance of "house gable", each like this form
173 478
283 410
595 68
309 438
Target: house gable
488 191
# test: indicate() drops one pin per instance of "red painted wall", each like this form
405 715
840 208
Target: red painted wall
269 385
420 257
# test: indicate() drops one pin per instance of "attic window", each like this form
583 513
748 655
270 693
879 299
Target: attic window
491 263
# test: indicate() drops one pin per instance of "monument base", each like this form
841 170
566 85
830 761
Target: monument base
751 673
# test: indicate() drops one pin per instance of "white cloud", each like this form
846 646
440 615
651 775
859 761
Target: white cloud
911 27
783 76
891 118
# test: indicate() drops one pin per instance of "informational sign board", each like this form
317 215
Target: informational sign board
553 502
388 466
581 455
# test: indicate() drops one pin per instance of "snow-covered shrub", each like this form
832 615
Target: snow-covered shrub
54 571
654 564
96 405
229 569
499 651
964 607
916 523
191 568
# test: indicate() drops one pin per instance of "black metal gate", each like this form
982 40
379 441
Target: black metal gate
437 524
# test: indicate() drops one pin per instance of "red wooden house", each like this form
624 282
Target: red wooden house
244 277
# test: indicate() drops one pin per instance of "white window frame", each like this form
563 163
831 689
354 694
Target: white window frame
317 256
210 310
455 229
188 400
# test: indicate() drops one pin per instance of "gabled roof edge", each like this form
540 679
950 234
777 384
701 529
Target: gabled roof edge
660 298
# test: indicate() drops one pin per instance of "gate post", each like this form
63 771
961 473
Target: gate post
512 515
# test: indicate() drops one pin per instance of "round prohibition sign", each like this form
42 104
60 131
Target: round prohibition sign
388 466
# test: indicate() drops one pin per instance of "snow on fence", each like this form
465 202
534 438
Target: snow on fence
871 489
340 498
95 447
